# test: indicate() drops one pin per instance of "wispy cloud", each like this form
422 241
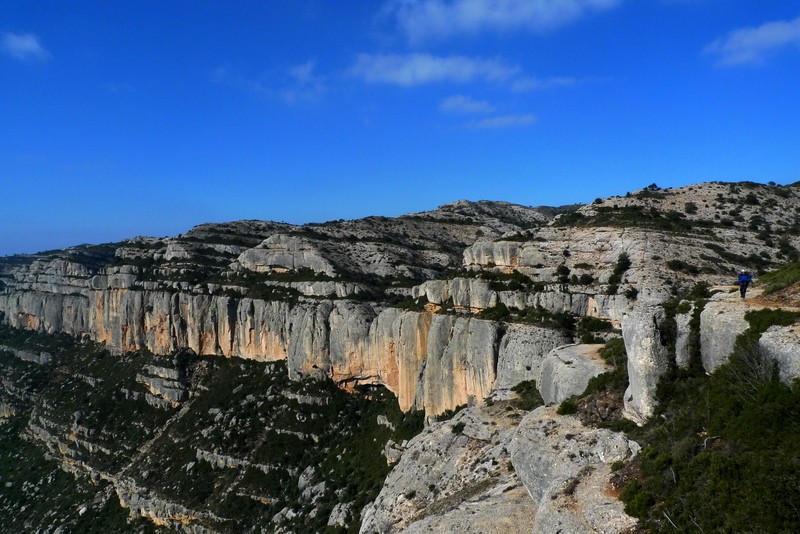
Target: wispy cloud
24 47
752 45
305 84
422 20
535 84
465 105
297 84
417 69
505 121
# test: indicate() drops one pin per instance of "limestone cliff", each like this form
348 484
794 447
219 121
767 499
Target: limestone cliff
446 308
362 301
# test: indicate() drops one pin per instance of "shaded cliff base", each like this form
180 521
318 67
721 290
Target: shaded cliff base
221 445
135 442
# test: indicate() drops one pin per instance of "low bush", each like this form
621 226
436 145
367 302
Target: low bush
721 451
781 278
528 397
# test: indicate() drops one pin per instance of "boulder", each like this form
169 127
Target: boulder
522 351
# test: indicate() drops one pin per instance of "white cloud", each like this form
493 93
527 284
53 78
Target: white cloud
24 46
297 84
305 85
417 69
421 20
534 84
505 121
303 73
465 105
753 45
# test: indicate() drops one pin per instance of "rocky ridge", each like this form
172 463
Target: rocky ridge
444 308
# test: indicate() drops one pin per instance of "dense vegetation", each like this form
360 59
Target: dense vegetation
300 446
722 454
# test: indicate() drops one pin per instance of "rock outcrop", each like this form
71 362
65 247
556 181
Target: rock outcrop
522 352
316 295
432 362
721 322
456 477
566 468
566 371
782 345
647 360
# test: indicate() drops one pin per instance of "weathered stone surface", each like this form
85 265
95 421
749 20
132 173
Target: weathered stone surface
459 367
502 254
340 514
285 252
503 510
454 477
522 351
466 293
160 511
721 322
41 358
565 468
683 332
782 344
648 360
566 371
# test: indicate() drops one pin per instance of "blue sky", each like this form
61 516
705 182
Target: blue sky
148 117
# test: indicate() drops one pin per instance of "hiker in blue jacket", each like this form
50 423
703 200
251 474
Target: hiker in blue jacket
744 280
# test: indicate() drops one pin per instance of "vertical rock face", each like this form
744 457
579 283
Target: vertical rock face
431 362
460 367
782 345
284 252
648 360
720 324
522 352
566 371
682 354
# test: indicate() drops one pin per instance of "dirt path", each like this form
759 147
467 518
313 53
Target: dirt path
786 299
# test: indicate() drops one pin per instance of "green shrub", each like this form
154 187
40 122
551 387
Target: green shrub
720 455
632 293
567 407
682 266
499 312
562 272
528 397
783 277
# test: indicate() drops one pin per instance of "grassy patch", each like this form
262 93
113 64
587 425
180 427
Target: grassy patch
781 278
